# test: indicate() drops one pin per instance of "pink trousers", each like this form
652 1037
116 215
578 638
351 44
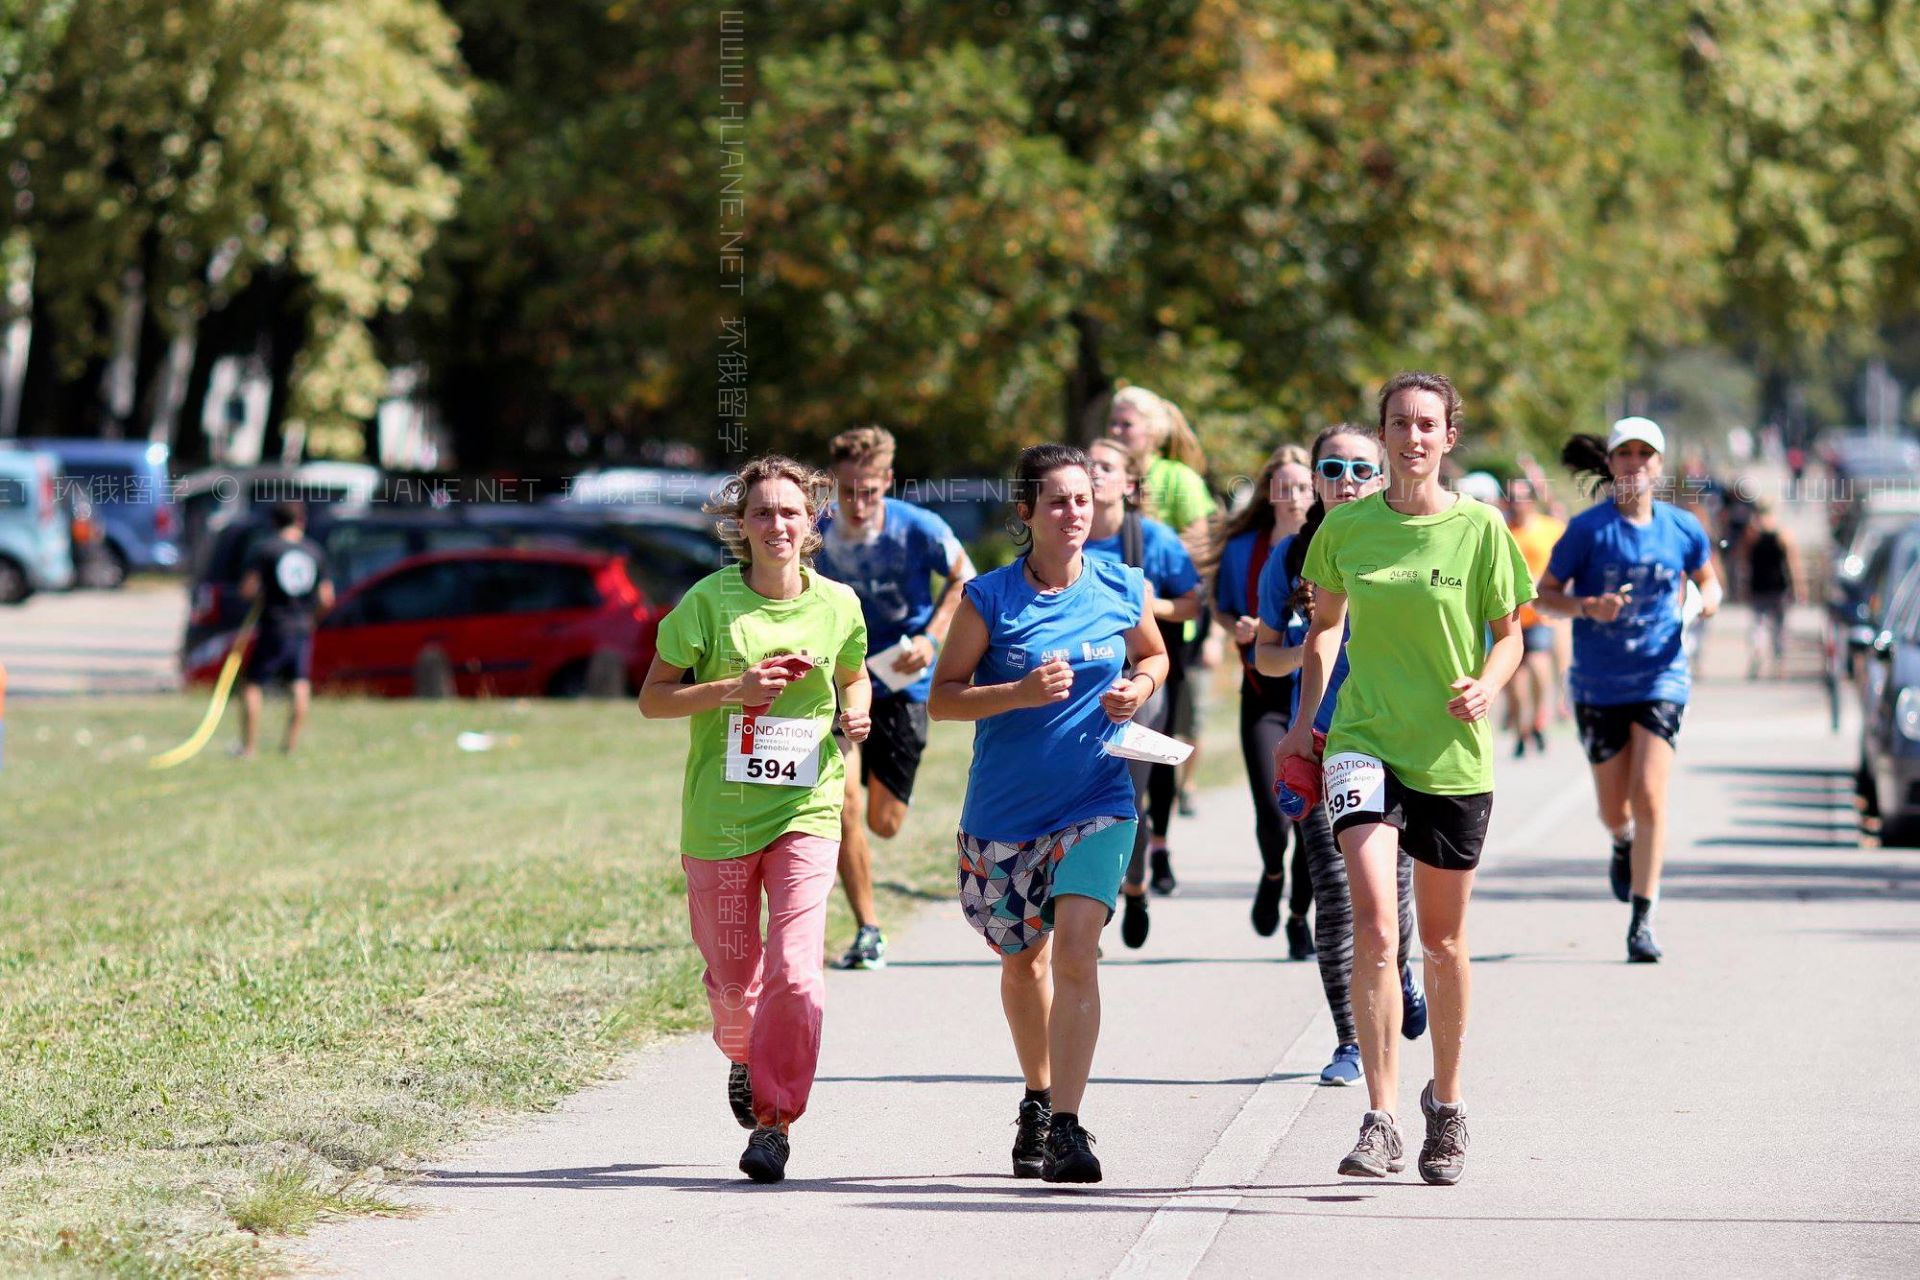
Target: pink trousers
766 997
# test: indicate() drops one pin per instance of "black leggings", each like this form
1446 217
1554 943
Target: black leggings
1163 780
1333 918
1151 716
1265 712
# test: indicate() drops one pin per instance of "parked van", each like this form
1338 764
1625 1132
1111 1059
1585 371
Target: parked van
36 548
132 497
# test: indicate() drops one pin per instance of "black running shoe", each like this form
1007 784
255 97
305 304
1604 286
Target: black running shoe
1641 948
1030 1139
1266 905
1162 877
765 1159
740 1094
1539 742
1620 870
1299 939
1133 919
1069 1155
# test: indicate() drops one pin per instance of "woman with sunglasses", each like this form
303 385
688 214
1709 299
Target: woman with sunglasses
1408 761
1620 571
1346 466
1278 508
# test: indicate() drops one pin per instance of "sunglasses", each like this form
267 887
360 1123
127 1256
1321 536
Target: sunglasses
1340 468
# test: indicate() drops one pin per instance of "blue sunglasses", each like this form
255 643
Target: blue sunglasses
1340 468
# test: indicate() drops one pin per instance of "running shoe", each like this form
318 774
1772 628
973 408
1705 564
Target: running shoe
1520 747
1133 919
1266 905
1069 1155
740 1094
1641 948
765 1159
1443 1156
1413 1006
1162 878
1539 742
869 950
1620 869
1379 1151
1299 939
1345 1068
1185 803
1030 1138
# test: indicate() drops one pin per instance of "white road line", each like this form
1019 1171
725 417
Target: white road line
1183 1227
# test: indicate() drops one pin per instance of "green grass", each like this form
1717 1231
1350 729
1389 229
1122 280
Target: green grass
235 995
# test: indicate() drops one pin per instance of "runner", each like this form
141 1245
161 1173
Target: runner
1281 497
760 807
1156 432
1409 756
1037 657
1530 696
1346 465
287 573
1768 557
1621 572
889 552
1122 532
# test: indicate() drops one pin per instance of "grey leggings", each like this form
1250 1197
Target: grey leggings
1333 918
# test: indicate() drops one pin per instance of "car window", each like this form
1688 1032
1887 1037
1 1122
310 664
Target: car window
357 551
1903 618
518 586
110 482
13 493
431 591
456 538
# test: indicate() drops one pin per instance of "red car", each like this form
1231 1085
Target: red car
490 622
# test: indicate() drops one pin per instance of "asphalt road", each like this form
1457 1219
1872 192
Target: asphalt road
78 643
1743 1109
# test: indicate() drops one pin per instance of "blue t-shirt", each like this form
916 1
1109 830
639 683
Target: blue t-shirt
893 573
1638 657
1276 610
1164 559
1037 770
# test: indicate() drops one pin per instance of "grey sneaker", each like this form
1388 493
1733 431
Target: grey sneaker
1443 1156
1379 1151
869 949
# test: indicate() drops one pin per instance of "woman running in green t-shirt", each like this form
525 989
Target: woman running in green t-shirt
760 808
1420 573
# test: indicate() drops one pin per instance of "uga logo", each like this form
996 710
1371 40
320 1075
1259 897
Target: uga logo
1440 579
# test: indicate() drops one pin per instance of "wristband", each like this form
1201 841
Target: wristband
1156 684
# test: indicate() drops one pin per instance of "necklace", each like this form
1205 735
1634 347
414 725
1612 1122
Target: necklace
1027 561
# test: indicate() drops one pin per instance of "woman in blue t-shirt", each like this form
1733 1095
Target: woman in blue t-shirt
1620 571
1122 531
1347 465
1037 657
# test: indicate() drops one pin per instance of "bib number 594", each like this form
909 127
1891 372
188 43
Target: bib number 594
772 770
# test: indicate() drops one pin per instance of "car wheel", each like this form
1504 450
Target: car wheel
14 586
110 569
433 673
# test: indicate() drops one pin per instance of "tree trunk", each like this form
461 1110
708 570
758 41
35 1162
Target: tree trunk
1088 382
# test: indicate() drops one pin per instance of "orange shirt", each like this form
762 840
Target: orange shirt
1536 538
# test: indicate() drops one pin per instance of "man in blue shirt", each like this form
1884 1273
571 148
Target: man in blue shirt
890 552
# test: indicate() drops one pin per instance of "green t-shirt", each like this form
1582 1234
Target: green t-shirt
1420 591
721 627
1179 494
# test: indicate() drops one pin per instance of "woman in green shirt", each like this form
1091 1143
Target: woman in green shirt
767 642
1420 573
1155 431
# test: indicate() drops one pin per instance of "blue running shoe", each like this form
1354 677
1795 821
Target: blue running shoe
1345 1067
1413 1006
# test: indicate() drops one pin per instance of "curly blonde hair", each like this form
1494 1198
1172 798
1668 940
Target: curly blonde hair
730 504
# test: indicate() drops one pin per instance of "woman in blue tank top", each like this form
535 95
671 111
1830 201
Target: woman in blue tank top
1038 657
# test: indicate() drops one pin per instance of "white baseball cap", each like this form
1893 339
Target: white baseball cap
1645 430
1483 485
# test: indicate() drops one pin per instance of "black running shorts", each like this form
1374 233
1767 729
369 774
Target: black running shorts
1445 832
893 748
1604 731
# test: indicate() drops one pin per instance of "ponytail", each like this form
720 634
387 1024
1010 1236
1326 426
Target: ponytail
1586 456
1302 601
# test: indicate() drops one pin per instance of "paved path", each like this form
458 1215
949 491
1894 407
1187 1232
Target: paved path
1746 1108
74 643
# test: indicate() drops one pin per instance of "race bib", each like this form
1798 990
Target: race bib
773 751
1355 784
